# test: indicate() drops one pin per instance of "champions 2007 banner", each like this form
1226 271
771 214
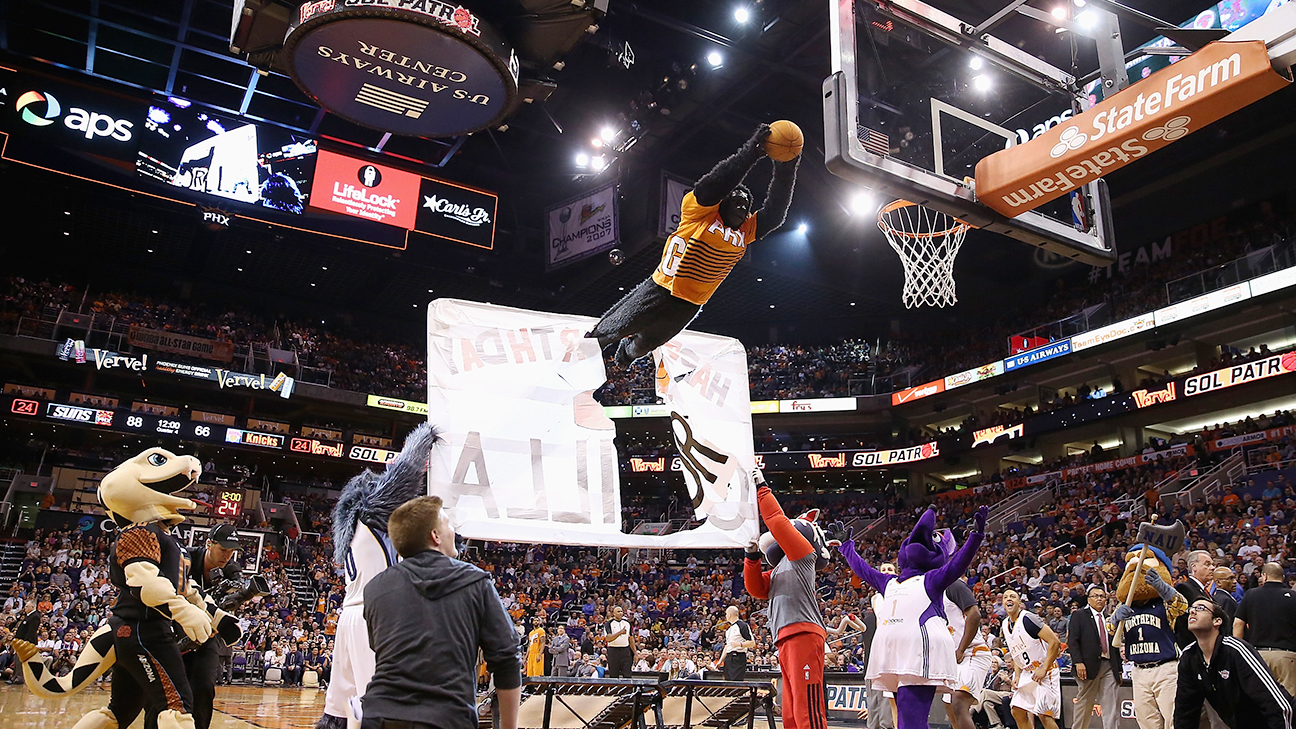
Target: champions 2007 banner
581 227
528 454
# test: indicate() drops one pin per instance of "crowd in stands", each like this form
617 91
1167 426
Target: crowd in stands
676 600
781 371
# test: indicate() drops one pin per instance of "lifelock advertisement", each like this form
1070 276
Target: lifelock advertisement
365 190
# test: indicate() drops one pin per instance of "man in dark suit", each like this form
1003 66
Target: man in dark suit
1097 664
1201 572
293 662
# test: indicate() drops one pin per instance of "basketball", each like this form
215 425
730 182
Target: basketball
784 141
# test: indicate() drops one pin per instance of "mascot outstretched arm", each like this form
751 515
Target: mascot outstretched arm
149 568
913 650
362 548
718 220
797 549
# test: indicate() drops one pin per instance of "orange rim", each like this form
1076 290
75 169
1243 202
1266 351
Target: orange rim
958 227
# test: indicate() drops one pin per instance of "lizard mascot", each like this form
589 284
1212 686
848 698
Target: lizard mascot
718 220
1145 619
797 549
361 547
150 570
913 650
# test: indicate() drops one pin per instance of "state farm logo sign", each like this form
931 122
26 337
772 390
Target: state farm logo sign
1144 117
421 68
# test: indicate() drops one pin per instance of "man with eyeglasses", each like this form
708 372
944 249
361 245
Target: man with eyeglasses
1230 674
1097 666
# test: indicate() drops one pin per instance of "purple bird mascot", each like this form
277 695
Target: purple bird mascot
913 650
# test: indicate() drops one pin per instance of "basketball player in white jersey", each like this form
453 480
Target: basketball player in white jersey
362 548
874 698
971 652
1034 647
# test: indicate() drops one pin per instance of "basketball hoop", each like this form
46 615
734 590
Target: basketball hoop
928 241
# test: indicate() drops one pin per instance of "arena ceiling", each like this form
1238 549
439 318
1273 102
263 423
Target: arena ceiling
840 272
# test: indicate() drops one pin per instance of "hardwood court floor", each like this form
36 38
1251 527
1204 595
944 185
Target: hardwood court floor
237 707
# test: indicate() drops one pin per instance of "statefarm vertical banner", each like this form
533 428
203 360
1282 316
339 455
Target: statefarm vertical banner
582 227
528 453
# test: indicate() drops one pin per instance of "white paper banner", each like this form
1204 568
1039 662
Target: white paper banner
582 227
672 200
528 454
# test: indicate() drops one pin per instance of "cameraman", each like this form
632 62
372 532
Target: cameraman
209 566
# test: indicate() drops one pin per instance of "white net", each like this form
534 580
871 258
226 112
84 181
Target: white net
928 241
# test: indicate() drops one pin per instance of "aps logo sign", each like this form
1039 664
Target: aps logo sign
90 123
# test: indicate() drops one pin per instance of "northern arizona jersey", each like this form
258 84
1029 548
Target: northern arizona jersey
1149 634
370 553
1028 651
701 251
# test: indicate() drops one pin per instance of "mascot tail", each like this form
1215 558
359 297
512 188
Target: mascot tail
97 657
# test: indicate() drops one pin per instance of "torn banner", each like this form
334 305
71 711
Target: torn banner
529 454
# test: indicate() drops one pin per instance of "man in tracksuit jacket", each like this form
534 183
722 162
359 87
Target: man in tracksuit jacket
427 616
1230 674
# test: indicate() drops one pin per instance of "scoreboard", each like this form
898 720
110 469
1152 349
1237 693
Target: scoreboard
173 427
229 503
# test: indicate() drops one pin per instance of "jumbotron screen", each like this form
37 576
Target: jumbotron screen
193 148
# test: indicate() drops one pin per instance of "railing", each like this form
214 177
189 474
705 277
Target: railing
1027 505
1210 482
1091 317
1280 255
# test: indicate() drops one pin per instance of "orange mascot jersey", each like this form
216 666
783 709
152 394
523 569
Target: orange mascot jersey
701 251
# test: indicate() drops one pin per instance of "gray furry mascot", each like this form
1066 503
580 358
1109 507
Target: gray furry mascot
361 547
716 226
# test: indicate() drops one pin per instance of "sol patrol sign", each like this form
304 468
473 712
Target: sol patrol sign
420 68
1144 117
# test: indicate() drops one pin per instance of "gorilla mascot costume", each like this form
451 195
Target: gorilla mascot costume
716 226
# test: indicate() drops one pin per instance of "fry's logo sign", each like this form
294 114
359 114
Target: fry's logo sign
994 433
1198 90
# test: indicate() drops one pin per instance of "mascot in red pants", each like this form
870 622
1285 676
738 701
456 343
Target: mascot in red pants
798 549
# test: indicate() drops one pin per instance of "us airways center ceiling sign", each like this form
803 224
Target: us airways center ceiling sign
421 68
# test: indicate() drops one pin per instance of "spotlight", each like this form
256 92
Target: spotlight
1087 19
582 159
1060 12
742 14
596 142
715 59
802 228
1078 3
975 63
608 134
861 203
597 163
982 83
